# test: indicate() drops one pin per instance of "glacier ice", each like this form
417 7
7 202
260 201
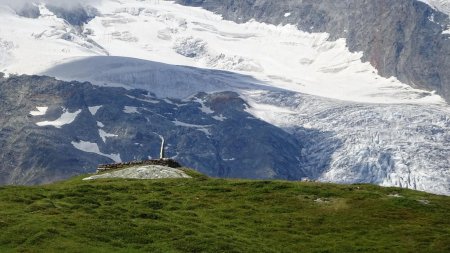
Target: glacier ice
403 145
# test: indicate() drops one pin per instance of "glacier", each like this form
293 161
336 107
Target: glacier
382 131
402 145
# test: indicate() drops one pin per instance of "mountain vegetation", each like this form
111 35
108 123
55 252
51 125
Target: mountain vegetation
217 215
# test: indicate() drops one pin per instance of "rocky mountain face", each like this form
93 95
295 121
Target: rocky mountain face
76 15
51 130
407 39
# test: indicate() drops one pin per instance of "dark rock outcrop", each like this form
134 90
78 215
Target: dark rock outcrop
401 38
77 15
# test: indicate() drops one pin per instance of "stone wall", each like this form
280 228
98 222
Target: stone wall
162 162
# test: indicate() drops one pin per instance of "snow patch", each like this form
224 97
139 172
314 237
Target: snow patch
130 109
205 109
219 117
65 119
94 109
446 31
90 147
202 128
41 111
105 135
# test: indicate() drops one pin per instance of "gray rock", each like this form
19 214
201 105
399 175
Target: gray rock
143 172
77 15
402 38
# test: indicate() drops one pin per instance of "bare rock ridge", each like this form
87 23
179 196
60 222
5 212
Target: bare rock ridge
407 39
76 14
143 172
161 162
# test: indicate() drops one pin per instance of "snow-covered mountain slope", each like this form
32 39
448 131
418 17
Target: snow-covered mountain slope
407 39
354 125
165 32
30 45
164 80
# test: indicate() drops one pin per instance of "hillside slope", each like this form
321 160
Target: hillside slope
217 215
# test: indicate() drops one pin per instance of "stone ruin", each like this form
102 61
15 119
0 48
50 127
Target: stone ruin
162 161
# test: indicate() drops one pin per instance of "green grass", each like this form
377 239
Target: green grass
217 215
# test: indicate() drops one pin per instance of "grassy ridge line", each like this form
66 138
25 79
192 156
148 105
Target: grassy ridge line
218 215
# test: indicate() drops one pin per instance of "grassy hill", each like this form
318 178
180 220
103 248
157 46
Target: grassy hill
217 215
